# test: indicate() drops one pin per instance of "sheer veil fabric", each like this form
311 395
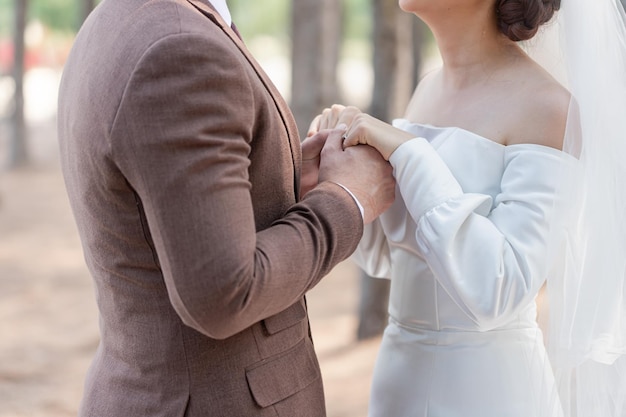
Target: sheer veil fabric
585 48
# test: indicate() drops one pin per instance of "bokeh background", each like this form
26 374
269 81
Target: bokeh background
318 52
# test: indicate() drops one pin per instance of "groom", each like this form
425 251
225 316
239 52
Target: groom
183 167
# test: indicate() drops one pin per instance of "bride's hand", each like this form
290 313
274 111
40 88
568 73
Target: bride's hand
368 130
332 118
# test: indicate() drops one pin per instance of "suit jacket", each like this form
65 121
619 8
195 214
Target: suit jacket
181 162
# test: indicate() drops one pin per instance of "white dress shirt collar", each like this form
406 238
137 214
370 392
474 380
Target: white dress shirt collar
222 9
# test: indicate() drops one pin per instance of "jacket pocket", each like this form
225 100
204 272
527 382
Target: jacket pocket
286 318
275 379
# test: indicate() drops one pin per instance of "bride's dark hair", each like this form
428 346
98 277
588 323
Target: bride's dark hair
520 19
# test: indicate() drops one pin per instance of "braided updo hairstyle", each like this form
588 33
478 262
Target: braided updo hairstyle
519 20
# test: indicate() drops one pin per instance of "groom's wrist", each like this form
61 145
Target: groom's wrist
356 200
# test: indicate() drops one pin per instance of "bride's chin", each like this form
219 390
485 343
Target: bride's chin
407 5
413 6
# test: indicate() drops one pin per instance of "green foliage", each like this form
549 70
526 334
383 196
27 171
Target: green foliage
272 17
58 15
6 17
358 19
267 17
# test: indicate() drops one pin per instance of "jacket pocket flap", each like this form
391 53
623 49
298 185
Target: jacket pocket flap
286 318
275 379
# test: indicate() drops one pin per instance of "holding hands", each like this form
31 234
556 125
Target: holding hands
362 129
329 153
359 169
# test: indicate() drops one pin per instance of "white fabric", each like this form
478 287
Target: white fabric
593 324
587 291
465 246
361 209
222 9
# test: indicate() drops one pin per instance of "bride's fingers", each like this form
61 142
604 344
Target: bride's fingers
335 113
347 115
350 139
314 127
332 116
325 122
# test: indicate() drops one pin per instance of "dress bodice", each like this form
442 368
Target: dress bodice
465 241
466 247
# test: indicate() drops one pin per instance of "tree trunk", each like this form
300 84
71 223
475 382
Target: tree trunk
316 39
18 154
398 43
395 64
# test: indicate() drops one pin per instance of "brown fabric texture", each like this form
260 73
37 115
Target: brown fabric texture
181 162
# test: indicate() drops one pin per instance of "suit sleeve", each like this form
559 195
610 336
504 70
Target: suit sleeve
184 146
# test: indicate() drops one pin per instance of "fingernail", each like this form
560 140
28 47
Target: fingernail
342 126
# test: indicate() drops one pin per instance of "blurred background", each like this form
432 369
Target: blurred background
365 53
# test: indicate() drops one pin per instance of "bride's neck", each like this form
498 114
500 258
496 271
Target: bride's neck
470 44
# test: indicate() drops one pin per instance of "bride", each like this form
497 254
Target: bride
479 218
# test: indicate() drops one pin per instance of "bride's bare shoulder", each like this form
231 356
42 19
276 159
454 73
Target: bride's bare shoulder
544 107
424 92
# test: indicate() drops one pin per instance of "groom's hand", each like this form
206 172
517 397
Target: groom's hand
362 170
311 148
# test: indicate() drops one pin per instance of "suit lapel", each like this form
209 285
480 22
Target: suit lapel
283 109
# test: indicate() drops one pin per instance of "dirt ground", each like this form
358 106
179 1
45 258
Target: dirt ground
48 317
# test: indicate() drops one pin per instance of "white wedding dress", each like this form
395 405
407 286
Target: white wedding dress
465 247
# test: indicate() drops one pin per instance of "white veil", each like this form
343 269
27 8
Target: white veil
587 287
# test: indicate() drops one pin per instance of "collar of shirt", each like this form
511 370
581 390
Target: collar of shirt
222 9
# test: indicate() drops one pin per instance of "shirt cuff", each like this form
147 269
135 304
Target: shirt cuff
355 200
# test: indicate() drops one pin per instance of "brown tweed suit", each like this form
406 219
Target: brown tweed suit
182 165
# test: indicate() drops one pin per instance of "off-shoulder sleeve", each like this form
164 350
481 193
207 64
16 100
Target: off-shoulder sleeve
489 256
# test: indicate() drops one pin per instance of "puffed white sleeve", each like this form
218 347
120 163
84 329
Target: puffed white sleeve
489 256
372 253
